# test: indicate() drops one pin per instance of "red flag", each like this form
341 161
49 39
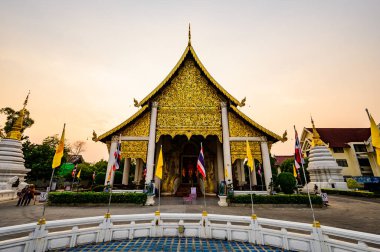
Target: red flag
201 163
298 159
74 171
117 156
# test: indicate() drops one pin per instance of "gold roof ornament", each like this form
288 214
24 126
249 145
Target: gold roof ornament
316 137
189 43
242 103
15 132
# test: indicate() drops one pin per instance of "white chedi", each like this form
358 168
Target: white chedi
323 169
11 161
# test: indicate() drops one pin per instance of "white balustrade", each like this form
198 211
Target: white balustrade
282 234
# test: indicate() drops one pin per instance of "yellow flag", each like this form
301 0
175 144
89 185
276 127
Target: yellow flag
160 164
249 157
226 172
294 171
59 150
78 175
375 135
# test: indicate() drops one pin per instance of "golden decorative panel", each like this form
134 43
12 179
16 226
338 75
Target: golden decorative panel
239 128
239 150
140 127
134 149
189 105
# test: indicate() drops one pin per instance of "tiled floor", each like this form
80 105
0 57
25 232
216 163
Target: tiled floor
172 244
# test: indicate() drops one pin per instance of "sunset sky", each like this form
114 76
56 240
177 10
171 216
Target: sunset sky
85 61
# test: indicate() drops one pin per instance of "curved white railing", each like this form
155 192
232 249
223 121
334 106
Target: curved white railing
282 234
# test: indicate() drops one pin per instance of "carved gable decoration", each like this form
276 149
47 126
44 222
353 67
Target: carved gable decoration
189 105
139 127
239 128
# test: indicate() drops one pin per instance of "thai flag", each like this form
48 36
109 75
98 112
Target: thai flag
117 156
201 163
298 159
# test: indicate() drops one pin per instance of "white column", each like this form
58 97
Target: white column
266 164
219 160
238 171
136 179
151 143
242 172
226 142
141 170
111 159
127 167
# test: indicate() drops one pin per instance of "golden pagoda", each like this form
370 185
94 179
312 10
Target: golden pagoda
187 108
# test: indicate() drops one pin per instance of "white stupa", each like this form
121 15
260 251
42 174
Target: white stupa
12 160
323 169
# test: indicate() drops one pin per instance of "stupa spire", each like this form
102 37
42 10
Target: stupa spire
316 137
15 132
189 43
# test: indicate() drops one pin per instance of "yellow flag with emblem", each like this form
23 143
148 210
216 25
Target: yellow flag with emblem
59 150
375 135
160 164
249 158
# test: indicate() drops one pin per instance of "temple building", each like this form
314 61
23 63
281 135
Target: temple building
187 109
351 147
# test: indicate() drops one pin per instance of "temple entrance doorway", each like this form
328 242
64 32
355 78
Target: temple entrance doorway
189 172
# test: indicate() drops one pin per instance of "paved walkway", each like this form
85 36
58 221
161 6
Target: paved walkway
343 212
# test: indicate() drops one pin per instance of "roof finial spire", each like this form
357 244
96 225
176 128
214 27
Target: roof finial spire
189 43
17 127
316 138
26 99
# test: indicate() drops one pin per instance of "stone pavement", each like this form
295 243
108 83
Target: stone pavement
343 212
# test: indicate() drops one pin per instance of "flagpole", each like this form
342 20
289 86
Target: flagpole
72 183
308 192
204 184
59 150
250 188
159 194
49 188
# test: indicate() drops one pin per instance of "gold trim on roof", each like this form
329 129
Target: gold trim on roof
125 123
190 49
256 125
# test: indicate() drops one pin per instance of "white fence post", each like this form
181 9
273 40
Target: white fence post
255 231
105 233
73 240
37 242
318 238
204 223
156 229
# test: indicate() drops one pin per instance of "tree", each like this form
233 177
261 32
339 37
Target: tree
287 182
287 165
12 116
39 157
77 147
